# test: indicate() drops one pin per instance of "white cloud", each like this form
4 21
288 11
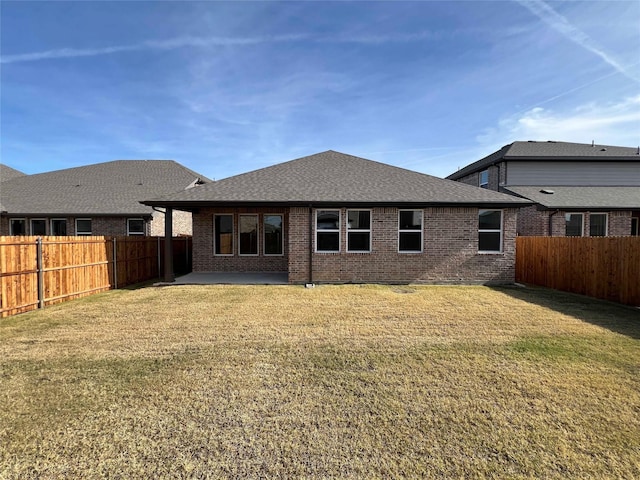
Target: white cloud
610 124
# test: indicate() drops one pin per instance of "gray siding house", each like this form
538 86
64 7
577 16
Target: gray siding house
99 199
578 189
337 218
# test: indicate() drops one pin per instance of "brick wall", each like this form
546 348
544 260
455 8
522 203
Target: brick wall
107 226
181 224
537 222
205 261
497 176
450 251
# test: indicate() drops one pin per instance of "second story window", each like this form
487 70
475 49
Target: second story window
483 181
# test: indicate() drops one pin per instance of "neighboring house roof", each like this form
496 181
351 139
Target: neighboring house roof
550 151
581 198
8 173
110 188
333 178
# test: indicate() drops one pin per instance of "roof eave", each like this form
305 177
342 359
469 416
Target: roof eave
323 203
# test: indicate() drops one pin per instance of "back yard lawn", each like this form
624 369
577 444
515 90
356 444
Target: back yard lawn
336 381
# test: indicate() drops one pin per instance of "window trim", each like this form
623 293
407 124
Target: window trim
338 230
359 230
581 224
31 220
482 184
51 232
606 224
257 217
136 234
85 234
24 221
421 231
232 235
491 230
264 234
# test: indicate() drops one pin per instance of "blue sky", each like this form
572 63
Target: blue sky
225 88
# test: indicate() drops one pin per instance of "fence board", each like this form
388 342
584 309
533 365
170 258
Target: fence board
74 267
600 267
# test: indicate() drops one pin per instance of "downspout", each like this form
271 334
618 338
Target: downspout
310 245
551 222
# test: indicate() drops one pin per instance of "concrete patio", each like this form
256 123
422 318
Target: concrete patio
232 278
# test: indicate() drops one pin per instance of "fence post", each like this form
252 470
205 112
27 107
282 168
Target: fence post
115 264
40 268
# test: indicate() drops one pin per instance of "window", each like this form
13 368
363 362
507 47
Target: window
634 226
484 179
83 226
273 238
327 230
135 226
58 226
17 226
410 231
358 230
573 225
38 226
598 224
248 226
490 231
223 234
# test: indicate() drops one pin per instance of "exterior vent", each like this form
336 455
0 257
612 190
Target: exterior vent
547 191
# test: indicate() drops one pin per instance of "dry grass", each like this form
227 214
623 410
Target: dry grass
333 382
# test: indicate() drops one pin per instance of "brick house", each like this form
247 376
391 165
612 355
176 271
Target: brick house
99 199
578 189
337 218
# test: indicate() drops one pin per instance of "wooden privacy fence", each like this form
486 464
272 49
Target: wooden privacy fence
600 267
40 271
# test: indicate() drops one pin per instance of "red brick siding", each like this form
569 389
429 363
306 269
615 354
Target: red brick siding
497 176
532 222
181 224
450 251
114 226
205 261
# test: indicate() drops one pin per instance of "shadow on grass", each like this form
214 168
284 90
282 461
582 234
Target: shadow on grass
612 316
138 286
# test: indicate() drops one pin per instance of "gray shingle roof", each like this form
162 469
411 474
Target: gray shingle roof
334 178
110 188
615 198
8 173
523 151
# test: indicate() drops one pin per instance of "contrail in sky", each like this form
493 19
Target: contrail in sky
559 23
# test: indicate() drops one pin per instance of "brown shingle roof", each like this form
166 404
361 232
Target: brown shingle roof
335 178
110 188
566 151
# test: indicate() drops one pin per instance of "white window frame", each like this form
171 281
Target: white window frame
51 232
482 184
566 219
421 231
257 217
492 230
606 224
136 234
264 235
31 220
83 234
315 227
232 236
359 230
24 221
